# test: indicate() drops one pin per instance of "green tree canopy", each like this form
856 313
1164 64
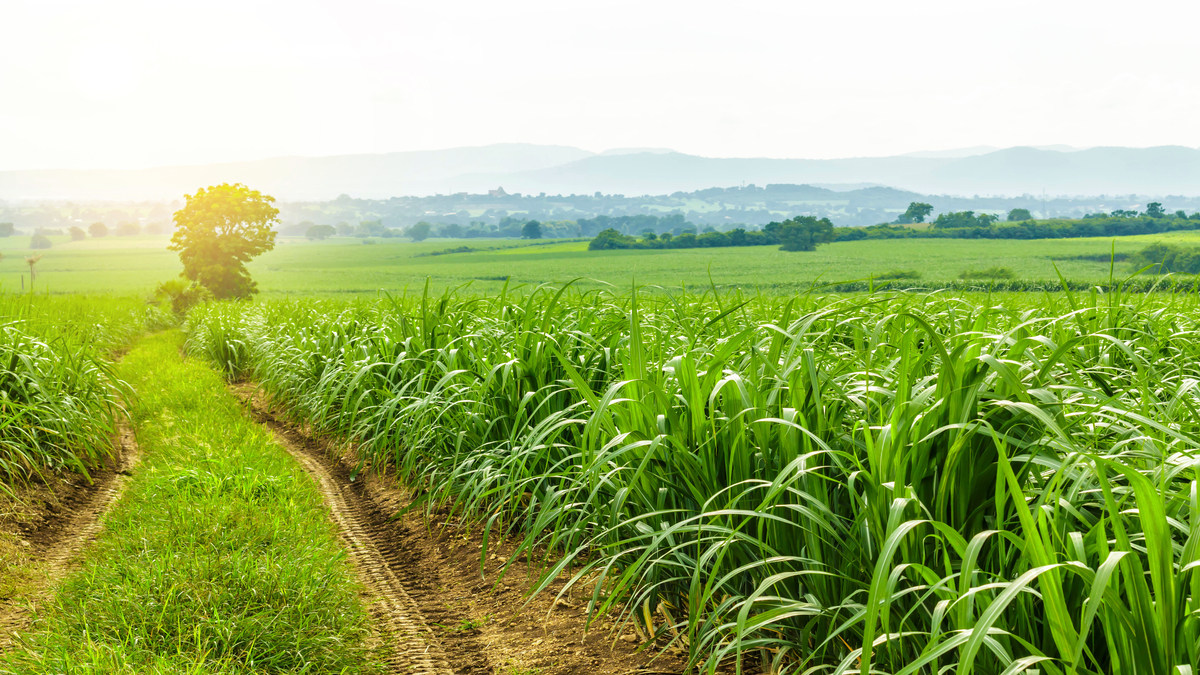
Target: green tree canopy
77 233
6 229
961 219
40 241
218 231
917 213
419 232
531 230
1155 210
318 232
804 233
1019 215
98 230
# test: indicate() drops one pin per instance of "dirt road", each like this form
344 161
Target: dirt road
432 602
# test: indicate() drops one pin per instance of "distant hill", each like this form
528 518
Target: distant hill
1014 171
980 150
533 169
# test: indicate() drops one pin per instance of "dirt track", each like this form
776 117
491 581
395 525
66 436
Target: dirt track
431 599
399 620
65 523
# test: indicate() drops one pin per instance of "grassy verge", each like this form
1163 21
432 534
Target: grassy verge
218 560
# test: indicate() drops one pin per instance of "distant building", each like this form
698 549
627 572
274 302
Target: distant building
498 192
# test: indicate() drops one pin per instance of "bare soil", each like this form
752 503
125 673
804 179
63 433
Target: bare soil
47 525
428 592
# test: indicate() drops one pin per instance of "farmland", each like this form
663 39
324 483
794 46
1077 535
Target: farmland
126 265
903 482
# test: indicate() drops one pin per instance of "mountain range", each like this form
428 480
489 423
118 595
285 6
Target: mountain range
532 169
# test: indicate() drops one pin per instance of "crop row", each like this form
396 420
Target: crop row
58 397
899 483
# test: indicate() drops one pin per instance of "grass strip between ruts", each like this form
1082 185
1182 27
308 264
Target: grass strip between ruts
218 559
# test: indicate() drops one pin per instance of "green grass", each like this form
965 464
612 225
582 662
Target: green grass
219 559
344 266
897 483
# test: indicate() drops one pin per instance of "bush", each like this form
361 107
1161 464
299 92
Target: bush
989 273
40 241
899 274
1167 259
181 294
610 238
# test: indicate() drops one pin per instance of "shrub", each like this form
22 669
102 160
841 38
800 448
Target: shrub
899 274
989 273
181 294
1167 259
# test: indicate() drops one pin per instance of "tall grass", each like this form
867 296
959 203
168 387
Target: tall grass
58 397
899 483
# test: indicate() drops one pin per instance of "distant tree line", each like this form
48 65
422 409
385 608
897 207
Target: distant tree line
802 233
967 225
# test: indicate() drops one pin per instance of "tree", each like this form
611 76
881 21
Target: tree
77 233
6 229
98 230
218 231
917 213
419 232
40 241
804 233
128 229
531 230
154 228
319 232
1018 215
1155 210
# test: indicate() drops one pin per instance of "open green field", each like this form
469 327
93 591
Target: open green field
343 265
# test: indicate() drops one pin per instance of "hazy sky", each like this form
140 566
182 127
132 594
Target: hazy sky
131 84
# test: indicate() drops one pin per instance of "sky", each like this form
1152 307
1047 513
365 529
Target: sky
121 84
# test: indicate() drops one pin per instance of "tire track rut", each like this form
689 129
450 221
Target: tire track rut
58 542
377 557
